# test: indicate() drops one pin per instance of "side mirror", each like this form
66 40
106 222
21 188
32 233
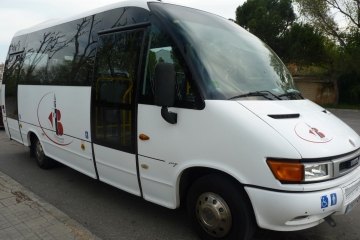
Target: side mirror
165 90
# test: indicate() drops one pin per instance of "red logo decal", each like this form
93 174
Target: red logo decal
312 134
55 131
314 131
59 127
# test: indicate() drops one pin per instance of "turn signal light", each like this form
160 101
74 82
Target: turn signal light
287 171
143 137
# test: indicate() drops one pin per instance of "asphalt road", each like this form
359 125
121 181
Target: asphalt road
110 213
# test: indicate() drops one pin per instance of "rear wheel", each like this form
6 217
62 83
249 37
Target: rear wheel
42 160
219 209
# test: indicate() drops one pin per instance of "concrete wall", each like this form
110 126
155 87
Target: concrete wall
317 90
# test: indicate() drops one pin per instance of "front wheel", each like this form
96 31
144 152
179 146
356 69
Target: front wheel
219 209
42 160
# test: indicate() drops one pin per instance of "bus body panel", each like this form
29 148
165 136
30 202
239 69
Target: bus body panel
71 103
4 110
60 118
225 140
157 182
14 129
229 138
313 129
13 125
117 168
73 155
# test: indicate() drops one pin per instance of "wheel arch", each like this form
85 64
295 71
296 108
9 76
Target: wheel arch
189 175
31 135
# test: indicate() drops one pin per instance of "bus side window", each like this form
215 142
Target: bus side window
12 70
71 62
124 16
37 51
17 44
163 49
13 66
61 55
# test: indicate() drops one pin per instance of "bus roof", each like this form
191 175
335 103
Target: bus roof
54 22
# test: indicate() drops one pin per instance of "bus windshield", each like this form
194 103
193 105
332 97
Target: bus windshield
226 60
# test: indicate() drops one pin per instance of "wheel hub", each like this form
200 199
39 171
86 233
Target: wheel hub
213 214
39 152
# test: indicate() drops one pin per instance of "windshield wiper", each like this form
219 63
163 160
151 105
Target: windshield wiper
252 94
290 94
277 97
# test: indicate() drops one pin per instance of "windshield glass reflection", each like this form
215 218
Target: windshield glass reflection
226 59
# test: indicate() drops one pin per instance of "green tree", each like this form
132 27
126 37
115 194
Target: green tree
340 21
303 45
267 19
329 15
353 49
334 62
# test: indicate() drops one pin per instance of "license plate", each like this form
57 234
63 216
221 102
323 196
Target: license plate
352 204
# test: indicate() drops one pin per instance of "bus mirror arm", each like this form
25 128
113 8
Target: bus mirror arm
165 90
170 117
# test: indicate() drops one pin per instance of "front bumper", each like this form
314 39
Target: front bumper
290 211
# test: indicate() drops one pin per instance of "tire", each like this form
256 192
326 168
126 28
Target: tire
218 208
42 160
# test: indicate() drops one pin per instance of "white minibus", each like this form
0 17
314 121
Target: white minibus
180 106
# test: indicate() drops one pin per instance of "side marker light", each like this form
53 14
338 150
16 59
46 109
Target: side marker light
144 137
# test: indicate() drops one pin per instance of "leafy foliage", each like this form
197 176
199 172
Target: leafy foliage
273 21
339 19
267 19
349 84
303 45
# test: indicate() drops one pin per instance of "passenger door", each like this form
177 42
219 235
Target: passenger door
11 114
114 108
169 145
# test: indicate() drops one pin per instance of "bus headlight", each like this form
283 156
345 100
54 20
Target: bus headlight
286 171
300 172
317 171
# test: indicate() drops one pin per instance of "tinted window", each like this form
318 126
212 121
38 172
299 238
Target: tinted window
40 46
17 44
63 54
124 16
163 49
11 75
72 63
114 89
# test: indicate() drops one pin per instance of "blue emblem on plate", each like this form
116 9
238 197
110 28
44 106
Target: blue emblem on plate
86 134
333 198
324 202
